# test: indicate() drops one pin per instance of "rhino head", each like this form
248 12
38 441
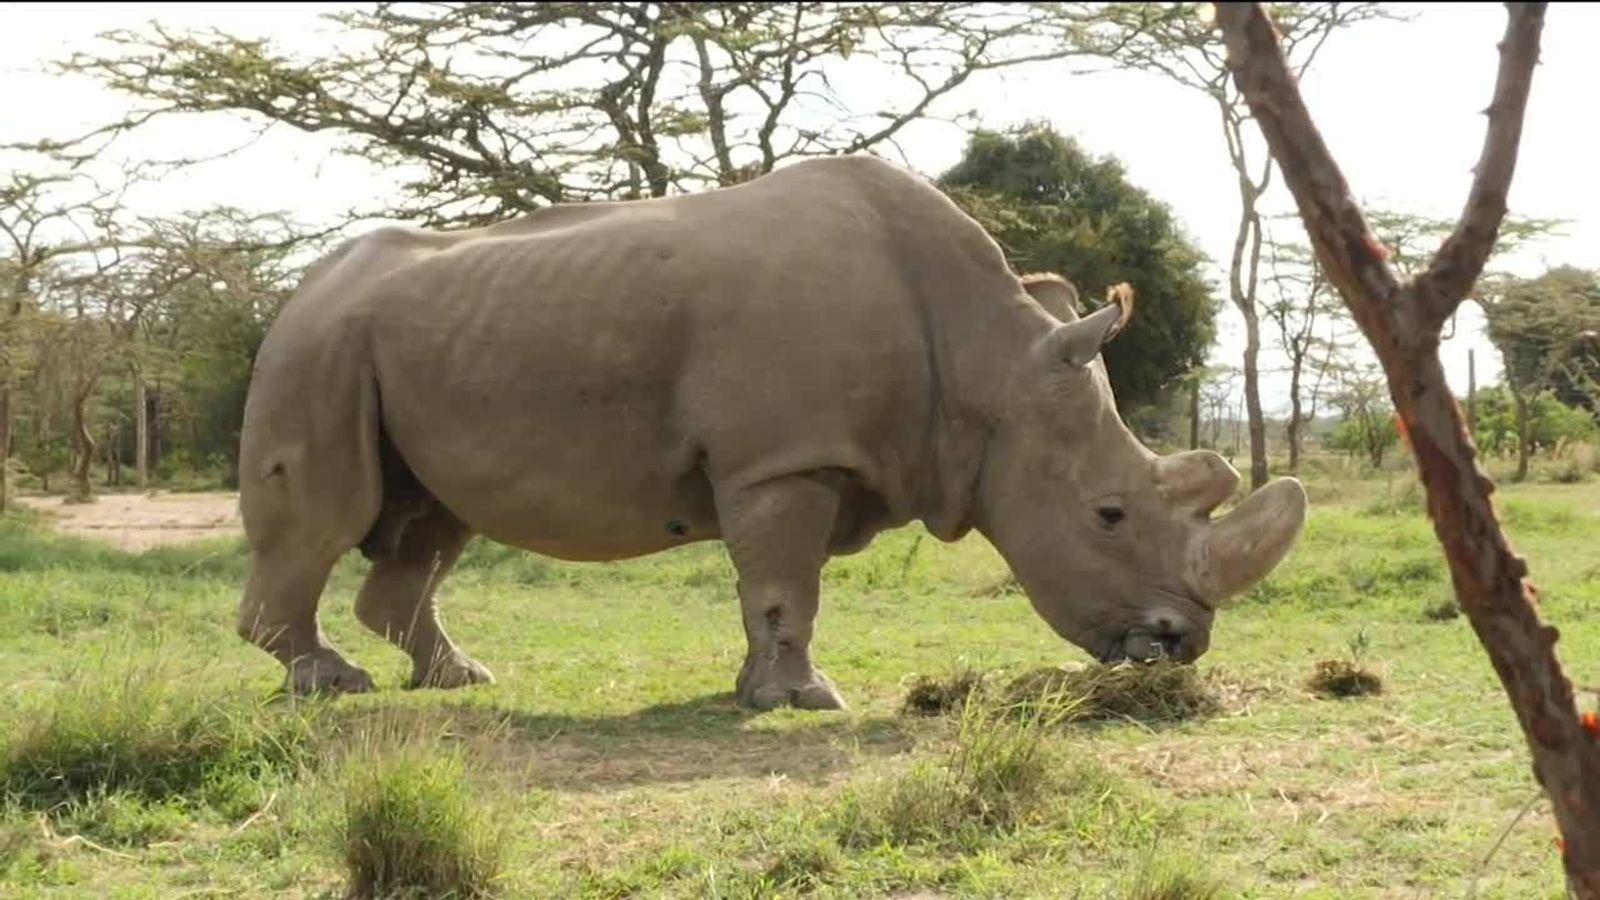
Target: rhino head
1115 545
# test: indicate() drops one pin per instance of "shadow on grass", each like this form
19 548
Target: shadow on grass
700 738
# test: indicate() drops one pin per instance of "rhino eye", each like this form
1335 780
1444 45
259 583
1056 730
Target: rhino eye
1109 515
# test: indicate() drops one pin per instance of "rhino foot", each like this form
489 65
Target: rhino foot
452 671
816 692
325 671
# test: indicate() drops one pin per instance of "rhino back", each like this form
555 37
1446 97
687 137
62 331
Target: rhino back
577 385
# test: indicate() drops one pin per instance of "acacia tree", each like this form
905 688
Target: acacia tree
1307 316
1367 425
1412 239
498 108
50 221
1216 385
1542 327
1053 207
1168 40
1403 321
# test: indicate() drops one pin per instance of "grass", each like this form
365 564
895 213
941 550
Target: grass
144 751
998 776
1166 878
411 827
134 760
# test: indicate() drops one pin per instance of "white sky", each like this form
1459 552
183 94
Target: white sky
1398 103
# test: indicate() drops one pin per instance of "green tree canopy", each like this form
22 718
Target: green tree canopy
1546 328
1055 208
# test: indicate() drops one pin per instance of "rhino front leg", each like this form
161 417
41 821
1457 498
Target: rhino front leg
278 613
398 600
777 535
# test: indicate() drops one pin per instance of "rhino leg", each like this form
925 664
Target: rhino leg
397 600
777 535
279 614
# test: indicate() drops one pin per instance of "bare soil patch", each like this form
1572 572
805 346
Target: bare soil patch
138 522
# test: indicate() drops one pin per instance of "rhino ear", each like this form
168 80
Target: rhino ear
1076 343
1057 295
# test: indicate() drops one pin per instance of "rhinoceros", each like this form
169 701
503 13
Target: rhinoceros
791 366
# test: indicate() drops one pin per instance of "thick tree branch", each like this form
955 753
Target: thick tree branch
1460 261
1402 324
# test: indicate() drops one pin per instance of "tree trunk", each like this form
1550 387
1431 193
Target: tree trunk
1472 395
1294 415
1252 402
1402 323
113 457
82 492
154 418
1524 438
5 445
1194 413
1376 442
44 441
141 431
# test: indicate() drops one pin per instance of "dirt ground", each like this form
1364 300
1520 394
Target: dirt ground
136 522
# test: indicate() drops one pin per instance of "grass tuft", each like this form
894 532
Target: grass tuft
999 776
1342 678
1444 611
805 865
1172 878
412 828
147 737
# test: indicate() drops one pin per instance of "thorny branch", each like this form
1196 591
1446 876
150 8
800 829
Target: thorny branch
1402 322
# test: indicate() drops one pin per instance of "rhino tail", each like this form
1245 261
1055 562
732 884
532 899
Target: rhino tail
402 498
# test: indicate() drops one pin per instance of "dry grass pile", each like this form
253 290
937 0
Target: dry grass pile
930 696
1343 678
1141 692
1148 692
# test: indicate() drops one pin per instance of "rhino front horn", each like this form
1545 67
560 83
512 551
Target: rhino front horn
1247 543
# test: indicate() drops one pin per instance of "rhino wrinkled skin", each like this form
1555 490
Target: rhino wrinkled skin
790 366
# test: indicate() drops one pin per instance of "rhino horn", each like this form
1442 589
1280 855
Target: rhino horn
1076 343
1247 543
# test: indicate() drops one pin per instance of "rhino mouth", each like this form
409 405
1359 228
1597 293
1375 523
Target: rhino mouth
1172 631
1141 645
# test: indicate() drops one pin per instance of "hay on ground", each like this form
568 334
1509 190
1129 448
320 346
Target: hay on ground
931 696
1143 692
1341 678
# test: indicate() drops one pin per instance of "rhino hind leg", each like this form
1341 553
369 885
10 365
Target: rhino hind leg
777 535
413 546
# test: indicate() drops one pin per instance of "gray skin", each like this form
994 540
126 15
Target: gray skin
790 366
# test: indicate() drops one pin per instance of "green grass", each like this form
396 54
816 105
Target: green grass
412 828
145 751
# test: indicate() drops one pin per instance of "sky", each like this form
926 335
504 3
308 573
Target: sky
1399 105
